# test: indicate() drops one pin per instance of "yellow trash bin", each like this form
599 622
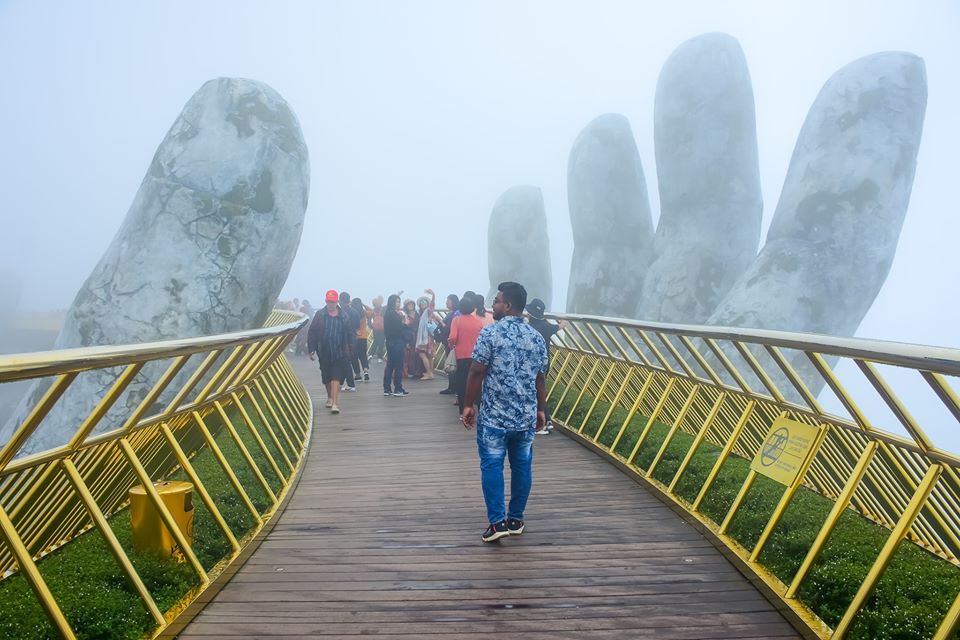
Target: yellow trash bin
149 532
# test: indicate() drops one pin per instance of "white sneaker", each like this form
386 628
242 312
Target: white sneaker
542 432
349 389
334 409
329 402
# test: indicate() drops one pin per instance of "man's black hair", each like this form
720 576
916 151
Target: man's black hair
515 294
345 296
454 300
467 305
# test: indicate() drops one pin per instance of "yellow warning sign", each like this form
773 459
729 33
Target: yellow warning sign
785 449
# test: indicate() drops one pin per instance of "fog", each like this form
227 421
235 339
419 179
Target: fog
418 115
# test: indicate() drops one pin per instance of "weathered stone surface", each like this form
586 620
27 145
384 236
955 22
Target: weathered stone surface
610 214
709 179
205 247
835 231
518 246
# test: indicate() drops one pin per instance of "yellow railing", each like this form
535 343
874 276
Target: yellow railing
209 388
726 387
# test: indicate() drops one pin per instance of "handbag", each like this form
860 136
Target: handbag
450 363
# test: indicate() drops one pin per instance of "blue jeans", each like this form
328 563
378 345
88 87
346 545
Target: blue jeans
494 444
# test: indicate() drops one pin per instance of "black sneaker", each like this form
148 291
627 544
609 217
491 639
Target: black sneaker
514 526
447 392
387 392
495 531
401 393
366 377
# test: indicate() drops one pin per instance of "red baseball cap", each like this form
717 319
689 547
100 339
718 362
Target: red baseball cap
332 296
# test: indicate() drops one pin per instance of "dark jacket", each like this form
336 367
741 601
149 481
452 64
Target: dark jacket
343 336
393 327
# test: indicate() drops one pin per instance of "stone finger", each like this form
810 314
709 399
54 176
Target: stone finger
709 180
518 246
835 231
610 215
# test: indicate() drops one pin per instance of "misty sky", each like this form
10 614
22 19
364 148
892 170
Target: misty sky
418 115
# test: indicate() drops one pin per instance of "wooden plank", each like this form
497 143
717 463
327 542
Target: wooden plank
382 537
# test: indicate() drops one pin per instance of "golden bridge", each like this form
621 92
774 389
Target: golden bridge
704 489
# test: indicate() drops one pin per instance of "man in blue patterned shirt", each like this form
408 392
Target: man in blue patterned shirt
507 376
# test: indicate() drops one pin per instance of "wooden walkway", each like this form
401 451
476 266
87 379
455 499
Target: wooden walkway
382 537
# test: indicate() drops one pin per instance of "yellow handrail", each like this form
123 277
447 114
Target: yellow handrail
240 381
727 387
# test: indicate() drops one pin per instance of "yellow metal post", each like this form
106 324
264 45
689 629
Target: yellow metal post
651 419
34 579
36 415
556 378
256 436
839 506
633 411
889 548
596 398
614 404
569 385
673 429
788 494
732 511
270 431
218 454
161 508
727 448
198 485
107 532
244 451
583 390
697 440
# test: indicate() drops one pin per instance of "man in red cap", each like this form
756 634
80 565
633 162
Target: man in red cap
329 338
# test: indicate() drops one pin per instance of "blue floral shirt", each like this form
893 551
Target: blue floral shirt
514 353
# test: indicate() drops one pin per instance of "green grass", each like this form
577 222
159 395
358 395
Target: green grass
89 585
911 598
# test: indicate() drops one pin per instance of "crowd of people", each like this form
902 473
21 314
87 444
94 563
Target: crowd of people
496 360
405 334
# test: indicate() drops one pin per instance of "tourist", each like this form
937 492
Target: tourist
329 339
412 366
464 331
360 366
426 323
452 304
482 313
378 350
536 309
349 383
507 378
393 332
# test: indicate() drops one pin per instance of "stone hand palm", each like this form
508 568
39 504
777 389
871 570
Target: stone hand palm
833 234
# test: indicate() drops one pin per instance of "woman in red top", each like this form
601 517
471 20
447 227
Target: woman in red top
463 337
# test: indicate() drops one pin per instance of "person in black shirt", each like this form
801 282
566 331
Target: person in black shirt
330 339
393 333
536 309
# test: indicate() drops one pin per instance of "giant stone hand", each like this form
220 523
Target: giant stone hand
835 229
204 249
